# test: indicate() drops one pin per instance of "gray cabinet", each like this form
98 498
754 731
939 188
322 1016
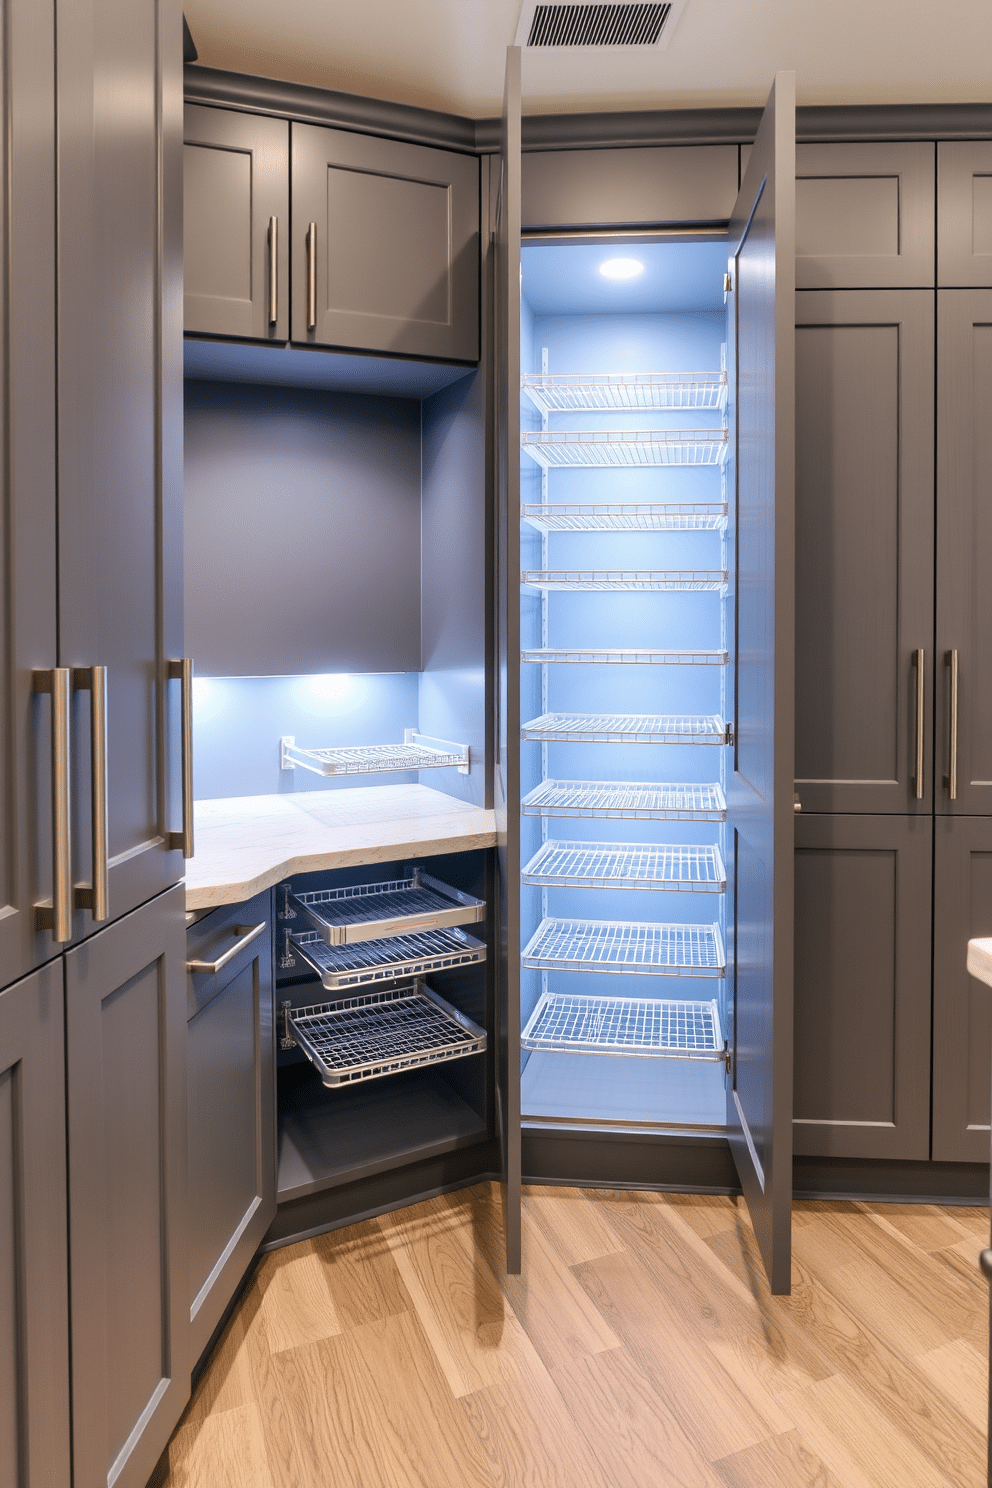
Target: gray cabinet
864 549
235 224
962 1017
862 1013
385 245
648 187
126 1109
230 1044
964 213
34 1293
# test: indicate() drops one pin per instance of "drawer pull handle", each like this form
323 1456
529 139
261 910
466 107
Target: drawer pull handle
182 672
95 896
244 934
273 270
312 277
57 916
951 778
919 663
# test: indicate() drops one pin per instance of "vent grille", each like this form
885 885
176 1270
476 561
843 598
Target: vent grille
597 25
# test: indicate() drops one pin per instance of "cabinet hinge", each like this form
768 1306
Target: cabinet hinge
728 737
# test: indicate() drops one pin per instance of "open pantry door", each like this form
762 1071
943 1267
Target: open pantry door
505 189
761 614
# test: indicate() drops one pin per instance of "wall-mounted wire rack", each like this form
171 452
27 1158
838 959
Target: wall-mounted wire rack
612 656
623 800
381 1033
397 907
626 947
645 516
567 392
371 962
417 752
627 865
625 447
660 1029
655 580
626 728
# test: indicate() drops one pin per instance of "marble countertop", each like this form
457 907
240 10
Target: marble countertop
245 844
980 960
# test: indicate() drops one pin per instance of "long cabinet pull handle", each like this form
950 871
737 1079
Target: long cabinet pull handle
244 934
919 662
57 916
96 897
312 277
182 671
951 778
273 270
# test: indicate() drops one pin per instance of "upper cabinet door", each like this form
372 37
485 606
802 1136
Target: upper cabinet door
864 216
761 614
385 245
964 213
235 224
964 547
504 194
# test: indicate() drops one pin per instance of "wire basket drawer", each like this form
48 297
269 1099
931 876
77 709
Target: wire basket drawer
398 907
369 962
624 1026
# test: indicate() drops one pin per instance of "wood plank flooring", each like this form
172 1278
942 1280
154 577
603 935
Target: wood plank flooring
639 1349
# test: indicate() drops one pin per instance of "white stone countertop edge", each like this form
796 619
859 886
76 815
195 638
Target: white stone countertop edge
980 960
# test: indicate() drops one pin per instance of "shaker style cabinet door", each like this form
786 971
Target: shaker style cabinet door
235 224
864 550
34 1291
385 252
964 213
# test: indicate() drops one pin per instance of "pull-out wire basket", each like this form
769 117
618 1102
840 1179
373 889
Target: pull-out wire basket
601 516
624 1026
417 752
381 1033
584 448
666 581
614 656
626 728
375 962
397 907
626 948
626 800
609 392
622 865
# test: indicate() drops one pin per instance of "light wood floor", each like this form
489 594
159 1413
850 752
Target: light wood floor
640 1347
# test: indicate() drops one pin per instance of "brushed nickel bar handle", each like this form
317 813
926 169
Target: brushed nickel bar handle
919 662
96 897
245 935
57 916
182 671
951 778
273 270
312 277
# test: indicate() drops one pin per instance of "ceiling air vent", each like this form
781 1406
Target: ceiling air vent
612 23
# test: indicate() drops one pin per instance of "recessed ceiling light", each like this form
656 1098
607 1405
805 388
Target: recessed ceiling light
621 268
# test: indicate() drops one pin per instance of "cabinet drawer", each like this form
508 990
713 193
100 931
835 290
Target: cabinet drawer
964 213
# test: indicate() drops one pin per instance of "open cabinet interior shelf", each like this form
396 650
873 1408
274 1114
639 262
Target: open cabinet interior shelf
626 947
418 752
567 392
601 516
621 865
344 967
585 448
626 728
624 1026
672 581
611 656
626 800
373 911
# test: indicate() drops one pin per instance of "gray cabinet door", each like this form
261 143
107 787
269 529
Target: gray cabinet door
862 1024
230 1040
864 216
864 549
120 418
964 550
626 188
962 1007
761 610
235 224
126 1042
385 253
28 637
34 1292
964 213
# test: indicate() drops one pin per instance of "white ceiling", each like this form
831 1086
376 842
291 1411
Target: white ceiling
449 54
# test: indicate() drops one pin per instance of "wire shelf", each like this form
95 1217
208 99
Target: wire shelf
369 962
625 447
418 752
374 911
611 391
627 948
673 581
625 1026
627 865
381 1033
650 516
627 801
612 656
626 728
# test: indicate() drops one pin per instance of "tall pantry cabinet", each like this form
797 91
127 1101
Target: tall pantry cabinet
91 929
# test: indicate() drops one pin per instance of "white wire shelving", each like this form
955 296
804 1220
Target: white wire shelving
626 948
614 656
610 800
371 962
626 728
586 448
643 516
417 752
609 392
653 580
624 1026
627 865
